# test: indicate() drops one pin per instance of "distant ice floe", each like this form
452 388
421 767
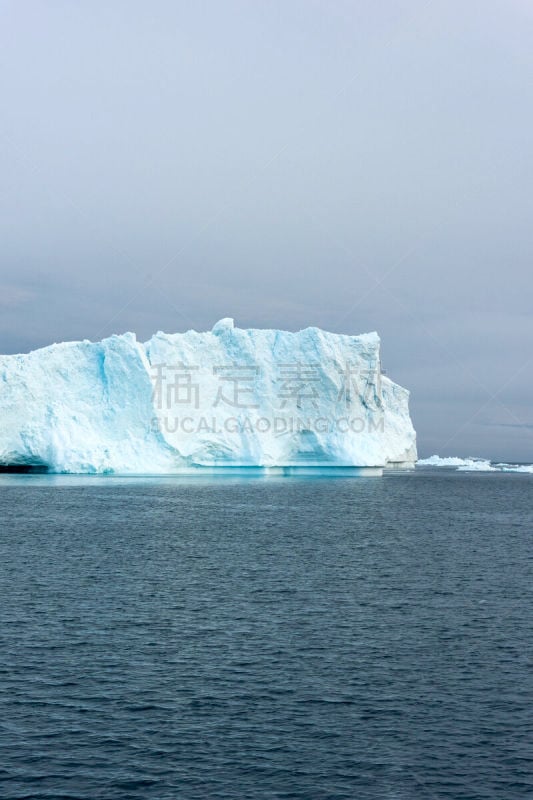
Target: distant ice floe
473 464
438 461
516 468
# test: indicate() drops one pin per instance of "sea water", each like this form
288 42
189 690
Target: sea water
258 638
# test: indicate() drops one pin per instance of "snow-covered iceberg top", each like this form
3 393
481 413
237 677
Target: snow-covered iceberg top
226 397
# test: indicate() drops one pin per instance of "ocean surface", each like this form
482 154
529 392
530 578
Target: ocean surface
238 638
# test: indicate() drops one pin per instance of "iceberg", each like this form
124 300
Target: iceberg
473 464
183 402
454 461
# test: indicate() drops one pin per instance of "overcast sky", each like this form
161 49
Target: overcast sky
353 165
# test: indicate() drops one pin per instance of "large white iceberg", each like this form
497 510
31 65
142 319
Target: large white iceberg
225 398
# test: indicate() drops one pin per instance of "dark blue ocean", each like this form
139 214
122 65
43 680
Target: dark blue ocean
312 639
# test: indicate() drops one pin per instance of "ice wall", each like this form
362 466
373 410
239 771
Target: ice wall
226 397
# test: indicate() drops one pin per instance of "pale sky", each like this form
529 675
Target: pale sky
357 166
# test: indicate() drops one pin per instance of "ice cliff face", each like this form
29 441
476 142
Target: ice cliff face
227 397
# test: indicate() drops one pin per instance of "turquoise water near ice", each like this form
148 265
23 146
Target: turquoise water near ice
266 638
